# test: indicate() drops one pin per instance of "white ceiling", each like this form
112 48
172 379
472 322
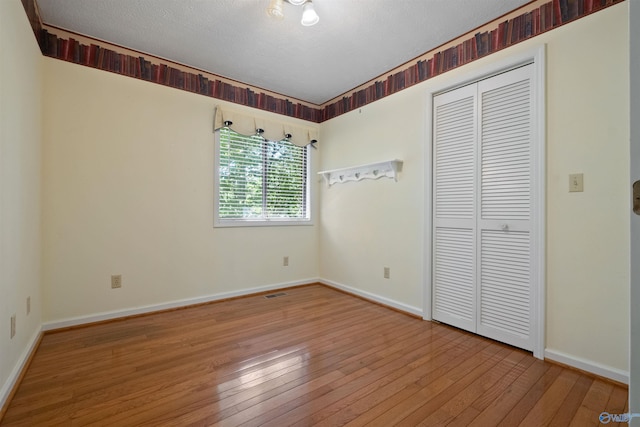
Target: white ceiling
354 42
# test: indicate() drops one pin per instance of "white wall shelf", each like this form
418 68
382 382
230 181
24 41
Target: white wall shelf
389 168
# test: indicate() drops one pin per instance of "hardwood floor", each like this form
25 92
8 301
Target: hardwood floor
312 357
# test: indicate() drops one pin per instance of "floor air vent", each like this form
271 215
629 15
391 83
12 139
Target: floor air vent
279 294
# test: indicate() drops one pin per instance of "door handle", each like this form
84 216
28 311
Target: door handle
636 197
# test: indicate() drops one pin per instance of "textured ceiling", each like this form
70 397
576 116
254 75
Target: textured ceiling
354 42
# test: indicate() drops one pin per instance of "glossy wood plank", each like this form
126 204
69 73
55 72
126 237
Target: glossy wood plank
444 389
313 357
593 404
572 401
367 403
408 365
550 402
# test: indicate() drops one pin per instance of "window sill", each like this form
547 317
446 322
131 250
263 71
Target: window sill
260 223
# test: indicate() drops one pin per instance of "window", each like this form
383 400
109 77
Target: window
260 182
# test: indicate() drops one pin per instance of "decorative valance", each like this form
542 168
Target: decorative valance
246 124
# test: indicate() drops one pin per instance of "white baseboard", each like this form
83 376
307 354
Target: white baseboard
81 320
373 297
587 365
17 369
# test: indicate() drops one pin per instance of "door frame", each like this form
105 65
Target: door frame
634 169
535 56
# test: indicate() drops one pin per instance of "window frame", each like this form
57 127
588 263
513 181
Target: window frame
262 222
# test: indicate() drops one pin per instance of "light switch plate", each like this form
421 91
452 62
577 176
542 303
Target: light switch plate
576 183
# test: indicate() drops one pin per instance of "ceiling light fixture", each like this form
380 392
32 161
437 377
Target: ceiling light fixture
309 15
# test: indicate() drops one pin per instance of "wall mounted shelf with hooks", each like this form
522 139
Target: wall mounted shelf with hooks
390 169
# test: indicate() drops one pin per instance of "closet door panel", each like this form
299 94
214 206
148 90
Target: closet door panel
454 277
504 248
505 297
455 141
483 248
505 187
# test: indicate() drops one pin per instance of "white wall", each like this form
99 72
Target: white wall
20 164
128 170
370 224
588 233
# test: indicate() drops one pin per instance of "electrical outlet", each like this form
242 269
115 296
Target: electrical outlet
13 326
387 272
116 281
285 261
28 305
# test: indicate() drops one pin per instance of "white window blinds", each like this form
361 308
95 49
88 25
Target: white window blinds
260 181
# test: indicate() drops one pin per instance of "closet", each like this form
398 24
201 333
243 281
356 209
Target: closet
485 192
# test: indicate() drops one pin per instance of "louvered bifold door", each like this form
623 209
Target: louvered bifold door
504 250
454 160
